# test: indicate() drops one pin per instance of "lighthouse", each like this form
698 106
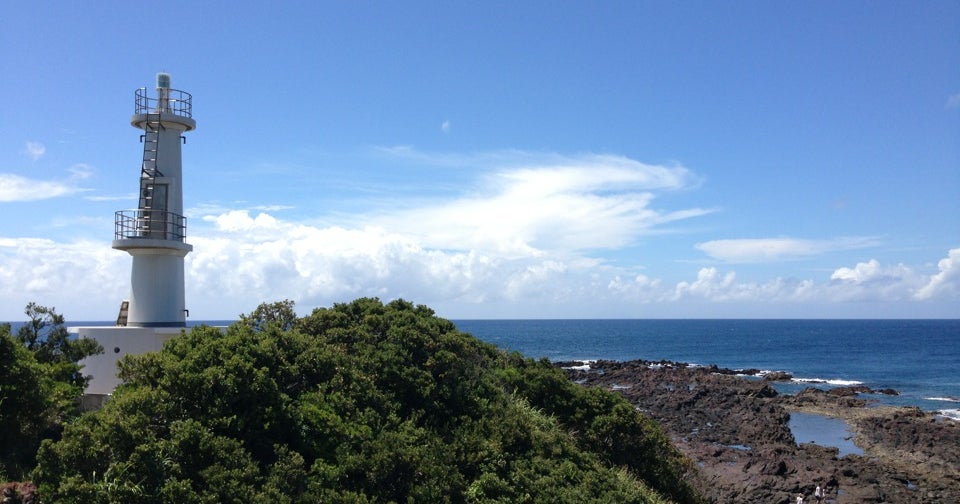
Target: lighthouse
154 234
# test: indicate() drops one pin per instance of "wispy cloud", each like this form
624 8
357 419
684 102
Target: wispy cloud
753 250
18 188
80 171
445 126
122 197
554 204
35 150
272 208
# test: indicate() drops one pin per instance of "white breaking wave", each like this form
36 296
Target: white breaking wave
944 399
952 414
835 382
585 366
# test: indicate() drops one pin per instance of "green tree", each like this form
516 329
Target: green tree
360 402
279 313
40 383
47 337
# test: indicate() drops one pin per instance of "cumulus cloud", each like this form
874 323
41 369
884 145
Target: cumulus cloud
80 278
861 273
251 257
35 150
243 259
871 280
751 250
714 286
946 282
260 257
530 233
523 233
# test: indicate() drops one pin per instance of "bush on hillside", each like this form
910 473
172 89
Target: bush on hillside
361 402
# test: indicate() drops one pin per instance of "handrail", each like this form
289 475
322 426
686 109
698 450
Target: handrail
153 224
176 102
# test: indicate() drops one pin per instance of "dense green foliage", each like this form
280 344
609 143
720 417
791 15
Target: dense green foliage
362 402
40 383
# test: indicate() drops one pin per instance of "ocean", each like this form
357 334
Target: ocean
918 358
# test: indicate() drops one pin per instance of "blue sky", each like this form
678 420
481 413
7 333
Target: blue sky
498 159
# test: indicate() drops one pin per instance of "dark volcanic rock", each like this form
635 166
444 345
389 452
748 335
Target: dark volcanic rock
778 376
736 430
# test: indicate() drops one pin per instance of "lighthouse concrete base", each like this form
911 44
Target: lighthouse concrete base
117 342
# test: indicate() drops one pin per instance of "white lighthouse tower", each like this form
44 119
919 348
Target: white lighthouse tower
154 234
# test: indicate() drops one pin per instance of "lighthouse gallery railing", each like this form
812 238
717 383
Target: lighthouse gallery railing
177 102
152 224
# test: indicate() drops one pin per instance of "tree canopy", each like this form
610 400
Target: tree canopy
360 402
40 384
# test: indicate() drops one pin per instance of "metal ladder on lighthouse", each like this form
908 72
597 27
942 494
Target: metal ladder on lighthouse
147 221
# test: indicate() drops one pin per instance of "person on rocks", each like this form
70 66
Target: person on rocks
818 494
799 498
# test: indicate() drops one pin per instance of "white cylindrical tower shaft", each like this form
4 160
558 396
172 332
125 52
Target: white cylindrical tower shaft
155 233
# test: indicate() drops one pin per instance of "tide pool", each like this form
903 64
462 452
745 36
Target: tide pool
824 431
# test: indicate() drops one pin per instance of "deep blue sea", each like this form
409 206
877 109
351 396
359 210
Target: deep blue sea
918 358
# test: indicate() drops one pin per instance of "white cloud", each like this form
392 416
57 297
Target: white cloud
272 208
122 197
872 281
35 150
17 188
528 234
80 171
244 259
861 273
567 206
79 278
255 258
945 283
445 126
711 285
752 250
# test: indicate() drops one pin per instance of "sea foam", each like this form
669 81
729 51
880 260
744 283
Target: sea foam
944 399
584 365
834 382
952 414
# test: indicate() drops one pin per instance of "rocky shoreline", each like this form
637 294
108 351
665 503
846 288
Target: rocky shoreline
736 430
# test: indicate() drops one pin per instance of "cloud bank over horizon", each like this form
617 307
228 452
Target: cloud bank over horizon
532 235
251 259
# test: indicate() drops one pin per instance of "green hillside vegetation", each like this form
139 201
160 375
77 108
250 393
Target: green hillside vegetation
362 402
